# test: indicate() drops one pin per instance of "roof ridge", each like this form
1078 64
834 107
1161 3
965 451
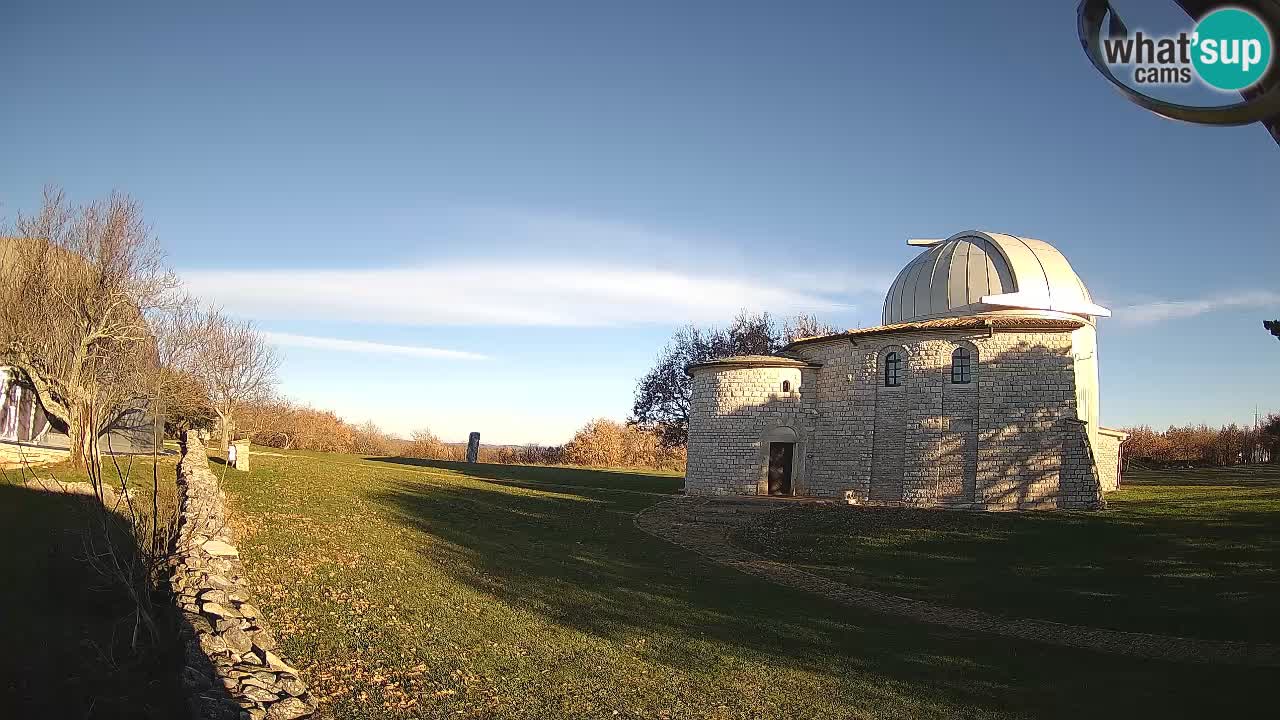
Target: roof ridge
963 322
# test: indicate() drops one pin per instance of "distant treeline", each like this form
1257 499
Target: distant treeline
606 443
600 443
1204 445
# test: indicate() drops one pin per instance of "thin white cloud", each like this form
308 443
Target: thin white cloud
373 348
506 232
498 293
1162 310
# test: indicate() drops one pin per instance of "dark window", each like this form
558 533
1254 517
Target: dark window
892 369
786 386
961 366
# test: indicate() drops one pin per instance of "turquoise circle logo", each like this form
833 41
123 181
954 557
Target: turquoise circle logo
1232 49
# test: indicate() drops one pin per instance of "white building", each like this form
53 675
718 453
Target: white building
979 390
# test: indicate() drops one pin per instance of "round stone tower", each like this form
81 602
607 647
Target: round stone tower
745 427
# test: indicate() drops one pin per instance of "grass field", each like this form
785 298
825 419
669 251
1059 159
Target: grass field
1187 552
415 589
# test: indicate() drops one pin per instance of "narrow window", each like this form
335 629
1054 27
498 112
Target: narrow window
961 366
892 369
786 386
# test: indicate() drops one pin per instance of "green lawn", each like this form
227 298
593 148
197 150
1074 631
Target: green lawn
435 590
1194 553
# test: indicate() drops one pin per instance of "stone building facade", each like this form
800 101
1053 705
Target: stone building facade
979 391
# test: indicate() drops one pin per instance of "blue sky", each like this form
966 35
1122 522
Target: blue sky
490 216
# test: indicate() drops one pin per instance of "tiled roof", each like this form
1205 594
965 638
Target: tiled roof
967 322
751 361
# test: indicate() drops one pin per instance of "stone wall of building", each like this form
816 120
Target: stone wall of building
732 412
1011 438
232 668
890 430
1108 458
15 455
1008 439
1032 452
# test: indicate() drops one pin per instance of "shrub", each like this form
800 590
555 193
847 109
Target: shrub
605 443
282 424
600 443
1204 445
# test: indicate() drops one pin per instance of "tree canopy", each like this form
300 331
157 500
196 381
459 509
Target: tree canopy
77 286
663 394
94 320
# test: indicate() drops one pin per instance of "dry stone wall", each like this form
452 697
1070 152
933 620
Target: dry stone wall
233 669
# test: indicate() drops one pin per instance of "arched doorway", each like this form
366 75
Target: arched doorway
781 457
780 468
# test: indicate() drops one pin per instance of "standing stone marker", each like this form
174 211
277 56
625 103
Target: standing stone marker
473 447
242 455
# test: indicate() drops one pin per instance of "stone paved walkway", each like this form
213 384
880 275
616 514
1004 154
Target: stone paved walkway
692 523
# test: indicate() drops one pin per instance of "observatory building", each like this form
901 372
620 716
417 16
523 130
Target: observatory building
978 391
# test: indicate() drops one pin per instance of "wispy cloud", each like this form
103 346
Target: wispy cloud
360 346
1161 310
503 293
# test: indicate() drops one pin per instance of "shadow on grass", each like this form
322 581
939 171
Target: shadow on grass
576 559
636 480
1170 556
66 630
1265 475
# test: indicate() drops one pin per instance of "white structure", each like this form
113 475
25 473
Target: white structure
979 390
24 423
21 417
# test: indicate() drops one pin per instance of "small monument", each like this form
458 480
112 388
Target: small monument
473 447
239 455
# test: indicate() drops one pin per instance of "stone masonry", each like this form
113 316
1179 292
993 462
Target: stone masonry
1009 439
232 671
733 410
1109 458
887 415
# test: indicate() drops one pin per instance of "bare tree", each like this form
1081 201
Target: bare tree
277 422
181 393
237 365
76 286
805 326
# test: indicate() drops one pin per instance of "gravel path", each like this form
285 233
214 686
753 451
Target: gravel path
700 525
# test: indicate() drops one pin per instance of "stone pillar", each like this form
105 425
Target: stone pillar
242 455
473 447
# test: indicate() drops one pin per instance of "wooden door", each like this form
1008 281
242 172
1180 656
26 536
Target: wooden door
780 468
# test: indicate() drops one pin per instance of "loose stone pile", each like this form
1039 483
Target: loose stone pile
232 670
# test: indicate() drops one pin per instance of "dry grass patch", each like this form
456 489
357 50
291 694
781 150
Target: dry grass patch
440 590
